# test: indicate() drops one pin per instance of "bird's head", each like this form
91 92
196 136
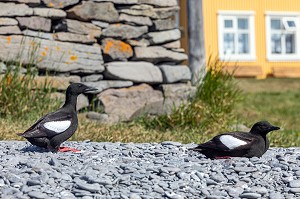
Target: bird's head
78 88
263 128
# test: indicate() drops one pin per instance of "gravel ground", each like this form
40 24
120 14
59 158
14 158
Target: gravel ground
149 170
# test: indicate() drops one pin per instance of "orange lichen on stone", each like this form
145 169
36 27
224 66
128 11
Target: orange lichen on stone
60 4
8 40
44 53
73 57
50 4
46 48
117 45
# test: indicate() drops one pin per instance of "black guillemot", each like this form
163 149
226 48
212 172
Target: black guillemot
54 128
238 144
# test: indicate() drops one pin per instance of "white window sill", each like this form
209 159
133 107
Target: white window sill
241 58
277 58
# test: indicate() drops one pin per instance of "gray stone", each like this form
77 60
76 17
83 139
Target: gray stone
8 21
173 44
88 187
164 36
106 84
123 103
156 54
175 73
149 11
166 143
13 10
78 27
39 34
295 190
35 23
294 184
139 20
159 3
54 55
134 71
72 37
89 10
37 194
134 196
101 117
275 195
120 1
164 24
10 30
59 3
116 49
124 31
176 94
30 2
101 24
250 195
173 195
82 102
49 13
245 169
92 78
139 42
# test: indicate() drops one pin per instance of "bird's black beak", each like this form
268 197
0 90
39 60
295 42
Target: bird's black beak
274 128
89 89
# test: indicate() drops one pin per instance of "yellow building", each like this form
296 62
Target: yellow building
255 37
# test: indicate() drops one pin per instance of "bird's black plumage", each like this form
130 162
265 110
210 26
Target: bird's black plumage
54 128
239 144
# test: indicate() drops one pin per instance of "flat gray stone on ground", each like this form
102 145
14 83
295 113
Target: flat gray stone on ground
35 23
13 10
175 73
5 21
134 71
124 31
125 102
156 54
89 10
294 184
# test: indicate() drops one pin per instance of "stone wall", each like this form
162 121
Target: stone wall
128 49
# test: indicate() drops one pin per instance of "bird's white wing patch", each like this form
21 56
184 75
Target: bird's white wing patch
231 142
58 126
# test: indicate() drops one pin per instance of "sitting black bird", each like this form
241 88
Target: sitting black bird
239 144
54 128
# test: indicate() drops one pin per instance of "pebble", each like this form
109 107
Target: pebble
144 171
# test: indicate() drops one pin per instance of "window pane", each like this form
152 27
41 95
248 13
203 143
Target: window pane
243 24
229 43
243 43
228 23
275 24
291 24
276 43
290 43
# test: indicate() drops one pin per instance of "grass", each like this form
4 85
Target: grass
220 102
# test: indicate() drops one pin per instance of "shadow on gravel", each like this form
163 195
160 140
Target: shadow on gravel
35 149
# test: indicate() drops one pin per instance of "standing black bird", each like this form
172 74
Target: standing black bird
239 144
54 128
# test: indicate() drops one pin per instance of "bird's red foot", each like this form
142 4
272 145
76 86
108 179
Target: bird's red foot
67 149
223 157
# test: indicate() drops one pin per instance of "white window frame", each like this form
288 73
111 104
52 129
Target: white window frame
285 17
222 15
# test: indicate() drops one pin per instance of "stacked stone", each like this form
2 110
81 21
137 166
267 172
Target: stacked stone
128 49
